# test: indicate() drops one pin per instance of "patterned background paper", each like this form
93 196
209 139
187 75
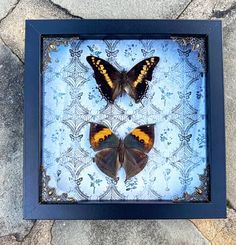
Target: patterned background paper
175 102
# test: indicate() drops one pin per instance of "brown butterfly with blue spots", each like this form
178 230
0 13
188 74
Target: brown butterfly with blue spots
114 153
112 83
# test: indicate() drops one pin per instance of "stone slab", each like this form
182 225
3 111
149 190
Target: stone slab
219 231
202 9
126 232
230 103
40 234
128 9
12 29
11 145
9 240
6 7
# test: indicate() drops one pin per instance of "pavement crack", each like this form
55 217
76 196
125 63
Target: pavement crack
230 205
218 232
184 9
32 227
64 10
223 13
200 232
51 231
10 11
12 50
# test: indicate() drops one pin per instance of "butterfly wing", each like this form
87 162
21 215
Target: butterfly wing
141 138
134 162
139 142
106 161
103 140
107 77
101 137
138 76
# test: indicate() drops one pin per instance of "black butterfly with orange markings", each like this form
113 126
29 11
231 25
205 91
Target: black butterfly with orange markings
113 153
113 83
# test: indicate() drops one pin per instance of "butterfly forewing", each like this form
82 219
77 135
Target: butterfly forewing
141 138
102 137
107 77
139 76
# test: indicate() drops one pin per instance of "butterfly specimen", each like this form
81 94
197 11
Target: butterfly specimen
113 83
114 153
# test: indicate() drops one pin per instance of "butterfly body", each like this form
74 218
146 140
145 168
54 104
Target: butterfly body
129 153
112 83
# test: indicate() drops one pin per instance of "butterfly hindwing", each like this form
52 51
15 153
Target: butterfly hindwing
107 78
101 137
134 162
139 142
106 143
106 161
139 76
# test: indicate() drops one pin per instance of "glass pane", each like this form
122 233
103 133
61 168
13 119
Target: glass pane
175 101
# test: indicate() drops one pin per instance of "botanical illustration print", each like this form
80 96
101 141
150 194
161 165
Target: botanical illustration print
175 102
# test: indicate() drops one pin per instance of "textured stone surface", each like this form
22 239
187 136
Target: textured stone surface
40 234
202 9
12 29
6 6
219 231
230 102
11 145
13 229
126 232
128 9
9 240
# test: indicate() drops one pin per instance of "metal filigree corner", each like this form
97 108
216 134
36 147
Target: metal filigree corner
201 193
51 45
197 44
48 195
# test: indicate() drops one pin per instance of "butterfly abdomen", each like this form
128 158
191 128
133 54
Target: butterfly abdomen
121 150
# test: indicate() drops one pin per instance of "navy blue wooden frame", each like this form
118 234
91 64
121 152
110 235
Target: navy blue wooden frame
121 29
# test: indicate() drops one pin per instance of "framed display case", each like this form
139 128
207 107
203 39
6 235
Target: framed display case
124 119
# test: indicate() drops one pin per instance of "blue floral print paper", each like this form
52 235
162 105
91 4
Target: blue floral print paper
175 101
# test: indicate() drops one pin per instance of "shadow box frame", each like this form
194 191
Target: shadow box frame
125 209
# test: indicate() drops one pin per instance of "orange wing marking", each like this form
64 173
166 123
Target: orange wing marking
101 135
142 136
